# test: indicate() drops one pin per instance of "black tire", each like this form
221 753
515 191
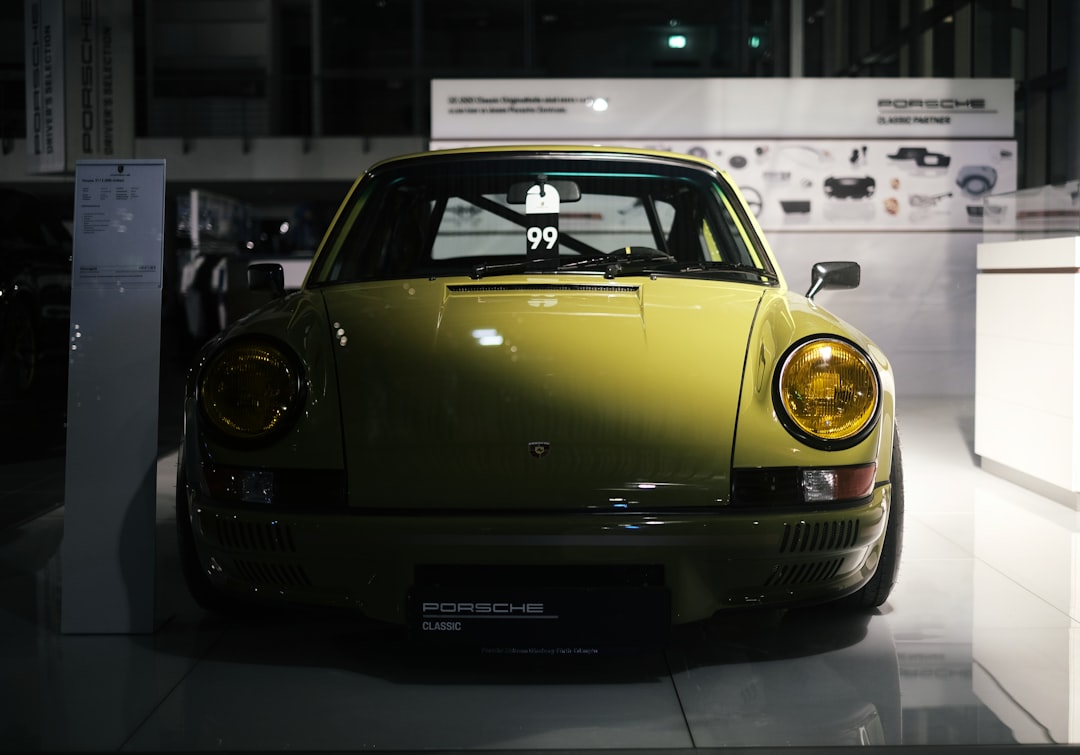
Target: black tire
875 592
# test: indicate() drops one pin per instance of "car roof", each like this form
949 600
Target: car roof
551 150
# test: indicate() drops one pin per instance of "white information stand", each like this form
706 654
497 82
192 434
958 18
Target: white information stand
108 552
1027 379
1027 431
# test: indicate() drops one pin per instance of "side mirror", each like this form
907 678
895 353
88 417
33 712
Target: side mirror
833 275
267 276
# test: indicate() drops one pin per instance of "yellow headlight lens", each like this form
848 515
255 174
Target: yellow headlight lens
828 389
249 390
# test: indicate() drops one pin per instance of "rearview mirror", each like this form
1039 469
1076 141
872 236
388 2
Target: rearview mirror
833 275
568 191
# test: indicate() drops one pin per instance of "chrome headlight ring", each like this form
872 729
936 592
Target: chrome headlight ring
827 392
250 390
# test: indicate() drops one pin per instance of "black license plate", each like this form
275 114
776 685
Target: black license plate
549 621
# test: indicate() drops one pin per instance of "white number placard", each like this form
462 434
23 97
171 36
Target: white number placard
542 213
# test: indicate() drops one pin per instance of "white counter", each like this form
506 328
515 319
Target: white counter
1027 364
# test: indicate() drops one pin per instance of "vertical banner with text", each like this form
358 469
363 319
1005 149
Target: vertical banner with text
44 35
80 90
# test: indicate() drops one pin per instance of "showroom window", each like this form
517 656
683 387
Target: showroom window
313 68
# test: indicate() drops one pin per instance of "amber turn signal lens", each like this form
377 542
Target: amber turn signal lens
250 390
828 389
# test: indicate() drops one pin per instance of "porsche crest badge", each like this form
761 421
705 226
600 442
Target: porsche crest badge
538 449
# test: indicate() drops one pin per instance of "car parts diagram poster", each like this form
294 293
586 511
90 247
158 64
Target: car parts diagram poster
884 185
884 156
851 184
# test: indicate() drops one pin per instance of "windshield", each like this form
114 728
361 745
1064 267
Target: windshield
483 215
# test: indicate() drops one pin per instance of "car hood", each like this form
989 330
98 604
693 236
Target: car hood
540 393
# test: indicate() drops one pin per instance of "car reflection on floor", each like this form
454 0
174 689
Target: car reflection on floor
960 655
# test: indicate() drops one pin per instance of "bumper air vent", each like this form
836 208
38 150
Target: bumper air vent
805 573
254 536
806 537
270 574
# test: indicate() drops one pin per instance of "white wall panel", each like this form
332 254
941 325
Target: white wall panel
916 300
1026 420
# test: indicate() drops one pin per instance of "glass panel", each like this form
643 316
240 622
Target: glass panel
467 231
1051 211
366 34
474 34
355 105
445 216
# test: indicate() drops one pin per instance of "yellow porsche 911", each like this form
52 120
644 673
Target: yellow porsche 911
540 396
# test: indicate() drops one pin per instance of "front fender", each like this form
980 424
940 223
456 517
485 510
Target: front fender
761 439
315 440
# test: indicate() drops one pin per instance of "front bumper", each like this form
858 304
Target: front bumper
706 561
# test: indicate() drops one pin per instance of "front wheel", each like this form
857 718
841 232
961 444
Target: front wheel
875 592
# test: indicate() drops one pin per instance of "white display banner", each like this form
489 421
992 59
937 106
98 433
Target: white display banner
80 91
44 36
884 185
702 108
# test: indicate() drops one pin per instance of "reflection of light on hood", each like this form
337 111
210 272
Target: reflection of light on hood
487 337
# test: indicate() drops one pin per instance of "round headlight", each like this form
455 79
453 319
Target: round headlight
827 391
250 390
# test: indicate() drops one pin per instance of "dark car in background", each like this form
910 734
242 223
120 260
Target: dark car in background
35 303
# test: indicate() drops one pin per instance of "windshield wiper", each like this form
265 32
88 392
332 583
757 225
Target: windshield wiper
612 263
517 266
615 263
751 271
633 259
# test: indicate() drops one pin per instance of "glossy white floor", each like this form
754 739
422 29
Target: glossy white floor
976 646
